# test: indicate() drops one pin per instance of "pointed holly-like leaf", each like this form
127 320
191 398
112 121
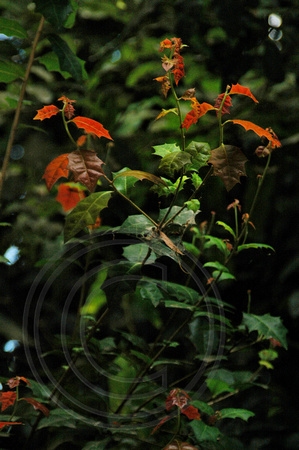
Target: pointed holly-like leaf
198 110
46 112
7 399
258 130
200 153
69 195
204 432
4 424
56 169
86 167
37 405
174 162
55 12
68 61
12 28
267 326
85 213
169 187
229 164
191 412
91 126
238 89
140 175
165 149
10 71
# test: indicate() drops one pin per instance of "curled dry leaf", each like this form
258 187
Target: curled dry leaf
37 405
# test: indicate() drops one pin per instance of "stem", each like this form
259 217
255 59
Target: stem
65 122
19 106
15 405
220 117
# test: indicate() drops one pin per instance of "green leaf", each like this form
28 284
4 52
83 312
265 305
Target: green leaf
179 305
193 205
217 387
51 62
60 418
266 364
97 445
68 61
227 228
165 149
150 290
174 162
137 253
254 245
268 354
137 225
236 413
216 265
204 432
267 326
123 184
96 298
200 153
203 407
85 213
214 241
145 358
140 175
196 180
170 187
119 384
185 217
55 12
12 28
223 276
10 71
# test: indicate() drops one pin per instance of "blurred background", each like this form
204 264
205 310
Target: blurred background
254 43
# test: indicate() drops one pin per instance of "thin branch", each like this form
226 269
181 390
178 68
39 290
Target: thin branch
19 106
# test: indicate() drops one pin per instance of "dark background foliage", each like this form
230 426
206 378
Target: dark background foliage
228 43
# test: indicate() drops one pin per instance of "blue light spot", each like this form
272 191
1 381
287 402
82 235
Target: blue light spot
10 346
116 55
17 152
12 254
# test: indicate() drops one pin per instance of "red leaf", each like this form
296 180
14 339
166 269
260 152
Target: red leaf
226 105
197 111
191 412
165 44
178 70
56 169
13 382
258 130
86 167
91 126
37 405
7 399
81 140
160 423
46 112
229 164
238 89
68 196
66 100
3 424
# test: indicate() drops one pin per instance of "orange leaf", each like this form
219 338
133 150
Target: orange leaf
7 399
56 169
229 164
197 111
165 84
238 89
13 382
3 424
178 70
37 405
258 130
68 196
165 44
66 100
86 167
160 423
46 112
97 224
81 140
226 105
91 126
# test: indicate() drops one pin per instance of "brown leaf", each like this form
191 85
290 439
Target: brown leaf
56 169
140 175
86 167
229 164
226 105
169 243
13 382
191 412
